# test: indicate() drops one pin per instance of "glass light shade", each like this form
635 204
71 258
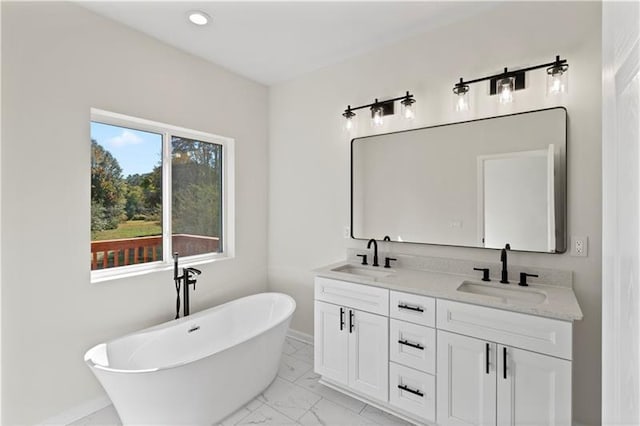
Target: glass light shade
557 81
376 116
461 99
349 120
408 110
462 102
505 87
348 124
351 125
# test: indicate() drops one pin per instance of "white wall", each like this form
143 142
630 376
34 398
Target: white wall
309 154
621 209
59 60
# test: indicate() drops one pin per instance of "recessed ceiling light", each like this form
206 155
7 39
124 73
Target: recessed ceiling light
198 17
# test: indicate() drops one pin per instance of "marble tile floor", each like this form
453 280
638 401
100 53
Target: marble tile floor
294 398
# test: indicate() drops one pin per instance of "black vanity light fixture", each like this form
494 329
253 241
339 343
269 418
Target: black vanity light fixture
379 109
507 82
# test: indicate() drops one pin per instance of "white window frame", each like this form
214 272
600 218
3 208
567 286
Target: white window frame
228 195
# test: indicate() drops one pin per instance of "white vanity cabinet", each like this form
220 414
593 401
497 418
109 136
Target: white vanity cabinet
351 345
428 359
485 382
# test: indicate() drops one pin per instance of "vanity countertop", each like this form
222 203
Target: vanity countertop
560 303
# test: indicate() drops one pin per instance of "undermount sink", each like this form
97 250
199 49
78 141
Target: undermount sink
505 294
362 271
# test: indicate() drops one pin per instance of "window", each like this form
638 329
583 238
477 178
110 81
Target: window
156 189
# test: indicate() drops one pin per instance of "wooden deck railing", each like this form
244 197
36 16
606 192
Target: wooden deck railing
127 251
131 251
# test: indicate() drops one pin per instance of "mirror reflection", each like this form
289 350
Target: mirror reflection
482 183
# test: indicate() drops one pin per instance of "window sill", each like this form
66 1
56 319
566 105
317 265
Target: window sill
106 275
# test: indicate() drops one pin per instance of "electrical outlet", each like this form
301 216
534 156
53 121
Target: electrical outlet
579 246
347 232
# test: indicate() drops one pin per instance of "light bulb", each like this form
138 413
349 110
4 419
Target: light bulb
408 112
557 81
376 116
462 104
349 124
505 90
461 91
349 115
408 109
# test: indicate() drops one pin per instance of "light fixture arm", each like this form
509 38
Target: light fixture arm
507 73
376 103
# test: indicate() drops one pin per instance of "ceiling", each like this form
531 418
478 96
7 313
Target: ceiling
271 42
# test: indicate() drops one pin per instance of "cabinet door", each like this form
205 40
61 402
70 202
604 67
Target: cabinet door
466 381
533 389
369 353
331 341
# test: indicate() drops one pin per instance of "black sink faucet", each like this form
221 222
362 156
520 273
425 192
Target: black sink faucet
503 259
375 251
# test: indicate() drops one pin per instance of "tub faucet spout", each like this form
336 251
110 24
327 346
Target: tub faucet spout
185 280
188 279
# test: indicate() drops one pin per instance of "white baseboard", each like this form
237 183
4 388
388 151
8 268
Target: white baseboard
299 335
76 413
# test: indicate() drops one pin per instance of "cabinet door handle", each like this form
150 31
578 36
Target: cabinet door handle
341 319
411 308
413 391
413 345
504 362
487 358
350 321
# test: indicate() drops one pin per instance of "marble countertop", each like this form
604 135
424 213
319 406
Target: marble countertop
560 303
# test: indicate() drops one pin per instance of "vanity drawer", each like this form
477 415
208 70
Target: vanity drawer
538 334
362 297
418 393
413 345
413 308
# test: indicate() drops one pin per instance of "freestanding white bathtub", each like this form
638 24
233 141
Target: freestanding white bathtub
195 370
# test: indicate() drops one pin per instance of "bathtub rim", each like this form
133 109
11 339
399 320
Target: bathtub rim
176 322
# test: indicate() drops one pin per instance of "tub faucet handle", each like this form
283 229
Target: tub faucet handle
194 270
188 279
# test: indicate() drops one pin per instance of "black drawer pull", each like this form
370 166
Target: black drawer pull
413 345
350 321
411 308
341 319
413 391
